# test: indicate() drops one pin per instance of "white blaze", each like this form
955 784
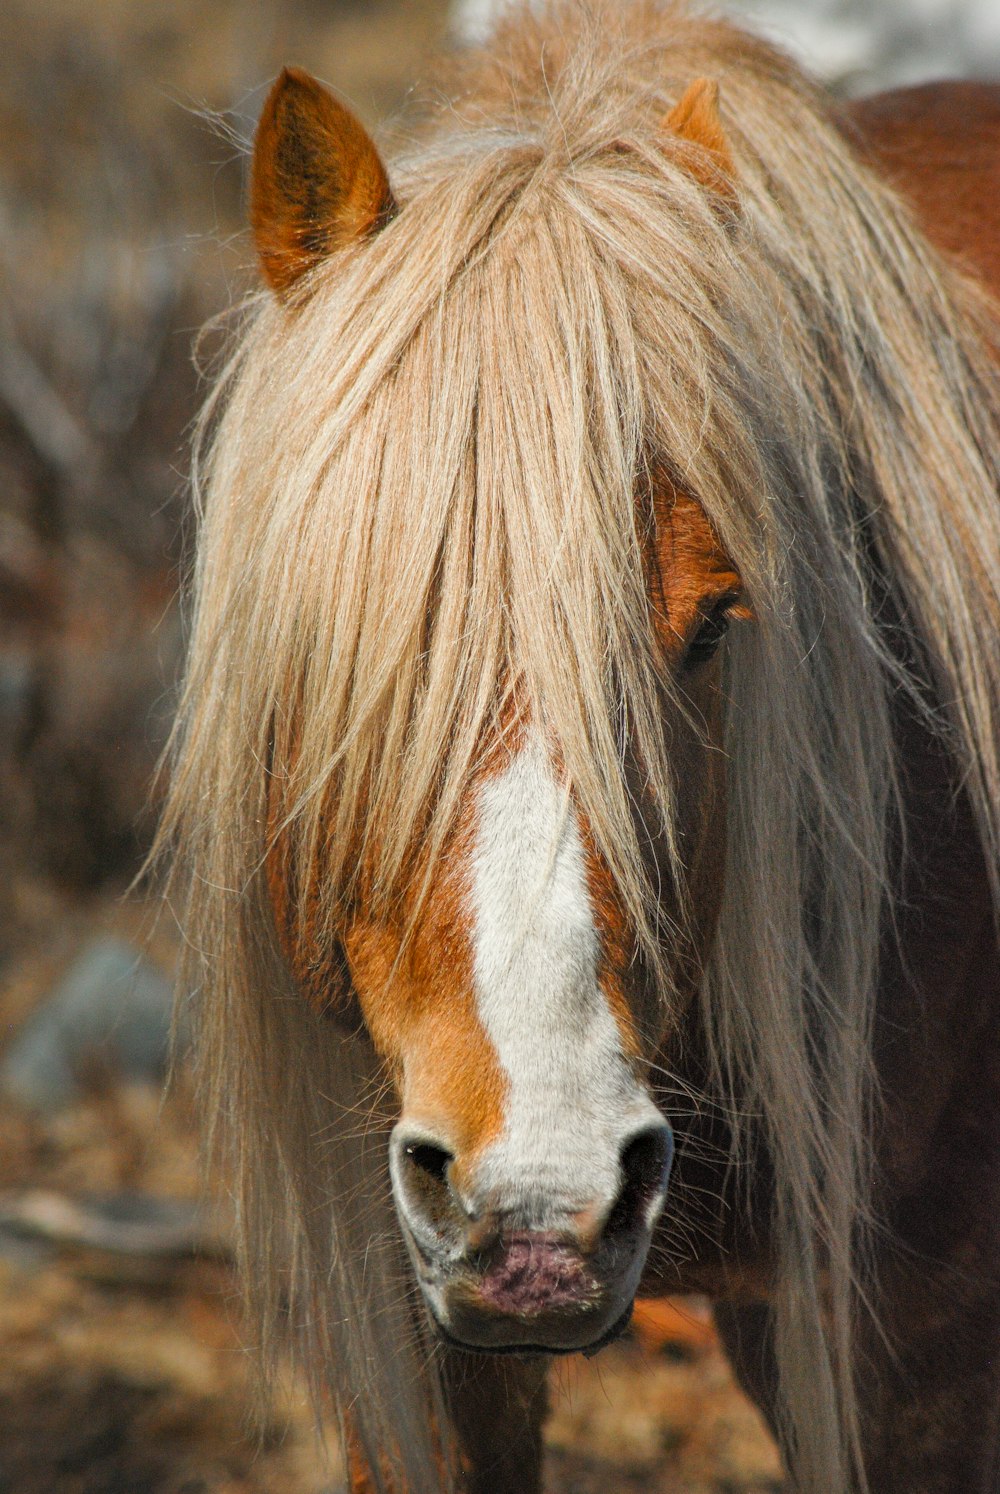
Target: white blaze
573 1100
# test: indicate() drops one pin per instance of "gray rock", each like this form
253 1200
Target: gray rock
125 1223
111 1006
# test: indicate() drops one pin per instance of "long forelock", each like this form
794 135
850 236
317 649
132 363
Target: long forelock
472 528
484 491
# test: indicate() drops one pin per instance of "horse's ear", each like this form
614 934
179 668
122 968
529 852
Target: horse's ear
695 119
317 181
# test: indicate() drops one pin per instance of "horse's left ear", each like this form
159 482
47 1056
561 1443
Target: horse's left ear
695 118
317 181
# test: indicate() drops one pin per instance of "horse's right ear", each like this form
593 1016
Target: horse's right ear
694 119
317 181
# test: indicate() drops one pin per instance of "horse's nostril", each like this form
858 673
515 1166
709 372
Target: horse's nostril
645 1162
645 1159
430 1159
421 1178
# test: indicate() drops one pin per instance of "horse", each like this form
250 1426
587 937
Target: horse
584 800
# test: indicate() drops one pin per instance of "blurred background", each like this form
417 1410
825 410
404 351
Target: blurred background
122 1370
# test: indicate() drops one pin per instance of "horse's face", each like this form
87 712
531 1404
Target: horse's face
530 1162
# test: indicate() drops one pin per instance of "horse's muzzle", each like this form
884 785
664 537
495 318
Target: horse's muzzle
537 1291
539 1277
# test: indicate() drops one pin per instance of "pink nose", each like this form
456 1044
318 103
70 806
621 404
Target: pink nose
533 1273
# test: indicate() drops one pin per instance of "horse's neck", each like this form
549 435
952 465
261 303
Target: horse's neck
940 977
937 1002
939 144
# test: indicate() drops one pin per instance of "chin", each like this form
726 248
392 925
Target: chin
530 1339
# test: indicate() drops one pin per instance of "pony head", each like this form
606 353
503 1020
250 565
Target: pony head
504 986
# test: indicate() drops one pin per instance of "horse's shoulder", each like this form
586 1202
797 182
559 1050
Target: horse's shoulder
939 143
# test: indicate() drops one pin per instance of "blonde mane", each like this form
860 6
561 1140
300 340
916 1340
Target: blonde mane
425 482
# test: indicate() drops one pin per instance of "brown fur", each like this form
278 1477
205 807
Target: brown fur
438 1053
317 183
940 144
693 571
692 576
446 1067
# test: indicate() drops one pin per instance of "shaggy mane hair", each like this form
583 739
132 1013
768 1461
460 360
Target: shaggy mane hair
421 484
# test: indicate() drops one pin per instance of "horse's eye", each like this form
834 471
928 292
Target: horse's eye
710 634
